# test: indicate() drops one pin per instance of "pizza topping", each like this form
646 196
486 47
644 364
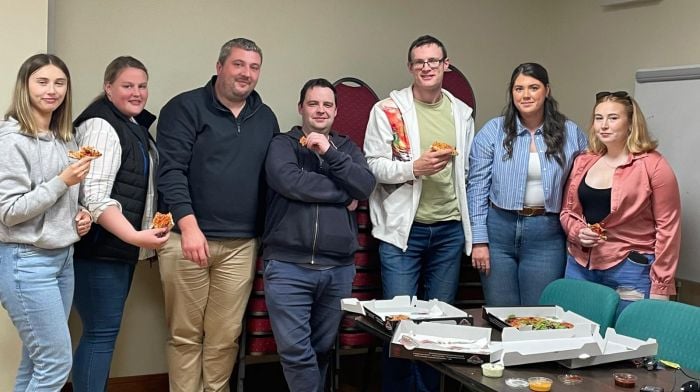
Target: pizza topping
161 221
598 229
398 317
537 323
85 151
438 146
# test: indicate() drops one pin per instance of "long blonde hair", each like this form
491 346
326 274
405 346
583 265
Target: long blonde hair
21 107
639 139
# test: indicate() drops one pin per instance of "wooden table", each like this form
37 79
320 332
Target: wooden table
595 378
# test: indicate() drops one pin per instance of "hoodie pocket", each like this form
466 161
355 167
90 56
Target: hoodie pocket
337 231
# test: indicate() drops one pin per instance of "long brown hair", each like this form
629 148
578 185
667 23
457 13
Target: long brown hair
21 107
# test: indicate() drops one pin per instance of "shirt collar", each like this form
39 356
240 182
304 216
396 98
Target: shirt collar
521 128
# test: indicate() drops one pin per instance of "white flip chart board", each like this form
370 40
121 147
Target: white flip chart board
670 100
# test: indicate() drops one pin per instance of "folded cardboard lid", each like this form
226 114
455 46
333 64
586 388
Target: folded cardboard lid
615 348
404 304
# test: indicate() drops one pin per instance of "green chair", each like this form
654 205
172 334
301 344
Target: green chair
593 301
674 325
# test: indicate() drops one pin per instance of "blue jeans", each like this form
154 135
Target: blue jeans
429 269
101 288
36 289
304 308
631 280
527 253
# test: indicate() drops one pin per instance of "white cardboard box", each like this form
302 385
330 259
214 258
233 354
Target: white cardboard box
380 311
582 326
548 347
616 348
454 333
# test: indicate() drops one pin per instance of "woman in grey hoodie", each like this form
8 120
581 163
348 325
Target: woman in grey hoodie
40 220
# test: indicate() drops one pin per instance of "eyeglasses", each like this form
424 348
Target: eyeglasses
432 63
616 94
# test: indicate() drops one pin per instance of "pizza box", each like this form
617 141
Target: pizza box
382 311
445 343
549 346
616 348
497 316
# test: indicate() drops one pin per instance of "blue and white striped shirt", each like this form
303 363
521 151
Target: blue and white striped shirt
502 182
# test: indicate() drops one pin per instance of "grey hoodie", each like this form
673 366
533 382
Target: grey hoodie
36 206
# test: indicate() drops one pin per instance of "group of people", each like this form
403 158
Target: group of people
530 197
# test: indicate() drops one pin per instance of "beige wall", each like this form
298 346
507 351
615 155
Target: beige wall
585 47
23 32
300 40
594 48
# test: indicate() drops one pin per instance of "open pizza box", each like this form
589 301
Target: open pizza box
388 313
438 342
580 337
547 345
616 348
579 325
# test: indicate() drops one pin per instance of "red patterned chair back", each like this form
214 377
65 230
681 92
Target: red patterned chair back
354 100
455 82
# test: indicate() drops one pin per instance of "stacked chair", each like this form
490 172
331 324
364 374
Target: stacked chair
257 344
456 83
470 293
355 100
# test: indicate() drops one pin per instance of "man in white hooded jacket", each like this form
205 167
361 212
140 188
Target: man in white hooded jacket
419 206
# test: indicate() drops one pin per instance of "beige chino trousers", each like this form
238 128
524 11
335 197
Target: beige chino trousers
203 310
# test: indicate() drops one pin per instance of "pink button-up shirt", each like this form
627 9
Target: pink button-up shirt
645 216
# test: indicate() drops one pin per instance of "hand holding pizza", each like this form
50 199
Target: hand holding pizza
431 162
591 235
151 238
76 171
316 142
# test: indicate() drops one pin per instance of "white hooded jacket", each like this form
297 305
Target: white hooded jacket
390 147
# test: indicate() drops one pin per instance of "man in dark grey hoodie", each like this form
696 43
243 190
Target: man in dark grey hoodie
316 178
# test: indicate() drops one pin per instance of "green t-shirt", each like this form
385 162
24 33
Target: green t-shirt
438 200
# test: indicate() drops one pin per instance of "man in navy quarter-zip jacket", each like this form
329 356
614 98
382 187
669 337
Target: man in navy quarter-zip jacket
315 179
212 143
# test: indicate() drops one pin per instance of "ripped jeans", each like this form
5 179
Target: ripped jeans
630 279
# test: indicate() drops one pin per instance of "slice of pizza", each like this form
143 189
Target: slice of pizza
598 229
439 146
161 221
85 151
302 141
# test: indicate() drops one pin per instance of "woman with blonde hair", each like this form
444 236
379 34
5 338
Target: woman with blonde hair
621 210
120 194
40 219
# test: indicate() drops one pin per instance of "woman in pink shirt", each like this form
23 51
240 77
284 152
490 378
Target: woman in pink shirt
621 209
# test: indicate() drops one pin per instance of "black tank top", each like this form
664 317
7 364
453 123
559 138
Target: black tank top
595 202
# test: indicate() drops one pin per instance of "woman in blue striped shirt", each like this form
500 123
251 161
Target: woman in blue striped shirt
518 165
